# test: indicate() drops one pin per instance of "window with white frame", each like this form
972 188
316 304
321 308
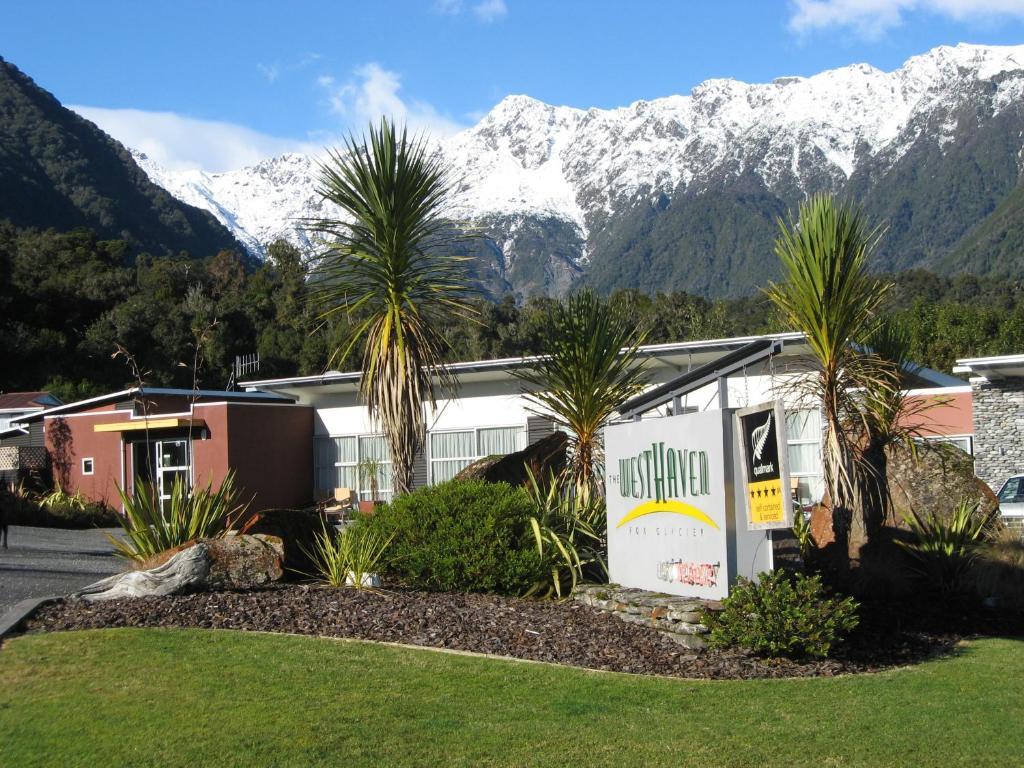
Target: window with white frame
803 436
87 466
964 442
451 451
359 462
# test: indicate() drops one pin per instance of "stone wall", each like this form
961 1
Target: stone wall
678 618
998 429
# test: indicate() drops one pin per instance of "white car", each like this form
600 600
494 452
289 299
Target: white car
1011 497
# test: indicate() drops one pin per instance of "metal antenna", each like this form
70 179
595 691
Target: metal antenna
244 366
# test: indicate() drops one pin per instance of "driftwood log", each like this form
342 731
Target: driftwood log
233 562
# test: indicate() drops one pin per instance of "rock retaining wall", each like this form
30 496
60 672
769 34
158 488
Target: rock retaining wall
998 425
678 618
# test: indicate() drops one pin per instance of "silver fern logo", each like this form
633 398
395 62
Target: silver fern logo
759 438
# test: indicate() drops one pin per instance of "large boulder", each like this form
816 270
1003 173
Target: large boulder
232 562
933 479
546 456
298 529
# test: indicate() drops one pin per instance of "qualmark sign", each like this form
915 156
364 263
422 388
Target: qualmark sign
766 477
667 504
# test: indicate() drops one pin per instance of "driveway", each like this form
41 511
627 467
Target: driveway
52 561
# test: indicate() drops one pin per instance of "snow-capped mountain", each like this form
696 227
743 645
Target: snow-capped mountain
683 191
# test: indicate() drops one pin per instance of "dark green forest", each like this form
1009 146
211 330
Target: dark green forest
68 300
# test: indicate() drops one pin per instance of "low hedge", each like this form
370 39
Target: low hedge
66 512
460 536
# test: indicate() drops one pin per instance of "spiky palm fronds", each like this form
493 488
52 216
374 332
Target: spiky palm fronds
591 368
389 267
828 293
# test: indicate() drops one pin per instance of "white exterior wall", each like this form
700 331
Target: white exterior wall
480 404
500 402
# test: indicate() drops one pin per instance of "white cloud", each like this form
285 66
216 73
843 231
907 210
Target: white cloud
373 93
871 18
448 7
269 71
177 142
485 11
490 10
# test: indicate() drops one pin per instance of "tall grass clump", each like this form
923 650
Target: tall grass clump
349 558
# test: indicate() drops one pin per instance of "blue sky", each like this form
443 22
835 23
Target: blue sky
220 84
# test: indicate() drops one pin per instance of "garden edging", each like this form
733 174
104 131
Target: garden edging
677 618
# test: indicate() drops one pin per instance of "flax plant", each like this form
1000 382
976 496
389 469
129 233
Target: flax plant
828 294
388 265
190 514
570 534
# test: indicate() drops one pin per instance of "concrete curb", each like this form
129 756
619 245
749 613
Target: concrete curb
11 620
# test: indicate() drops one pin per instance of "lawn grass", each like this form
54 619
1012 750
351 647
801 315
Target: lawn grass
193 697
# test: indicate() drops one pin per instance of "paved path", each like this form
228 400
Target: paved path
52 561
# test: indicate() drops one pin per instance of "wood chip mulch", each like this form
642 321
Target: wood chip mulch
563 633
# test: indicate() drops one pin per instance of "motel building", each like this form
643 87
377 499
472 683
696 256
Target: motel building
491 414
293 440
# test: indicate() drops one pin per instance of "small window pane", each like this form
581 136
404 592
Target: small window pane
803 424
452 445
173 453
446 469
804 458
500 440
1011 490
373 448
810 489
345 450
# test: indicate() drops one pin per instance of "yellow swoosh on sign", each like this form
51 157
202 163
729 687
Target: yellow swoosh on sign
675 507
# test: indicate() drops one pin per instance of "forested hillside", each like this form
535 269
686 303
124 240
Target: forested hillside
59 170
68 300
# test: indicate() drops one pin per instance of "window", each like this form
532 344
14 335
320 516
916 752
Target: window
803 436
451 452
359 462
964 442
87 466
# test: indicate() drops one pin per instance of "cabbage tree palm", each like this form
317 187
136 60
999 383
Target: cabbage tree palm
388 266
591 366
828 293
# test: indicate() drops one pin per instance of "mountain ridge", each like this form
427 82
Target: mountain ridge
701 176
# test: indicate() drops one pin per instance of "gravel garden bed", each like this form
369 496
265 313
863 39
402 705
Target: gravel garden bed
564 633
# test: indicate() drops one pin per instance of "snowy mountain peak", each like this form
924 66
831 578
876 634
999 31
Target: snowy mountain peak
526 159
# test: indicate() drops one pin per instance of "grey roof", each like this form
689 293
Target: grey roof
113 397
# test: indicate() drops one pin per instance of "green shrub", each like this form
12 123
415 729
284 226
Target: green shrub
55 509
150 528
460 536
782 615
73 510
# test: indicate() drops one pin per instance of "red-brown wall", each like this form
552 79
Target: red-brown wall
944 413
71 438
271 450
